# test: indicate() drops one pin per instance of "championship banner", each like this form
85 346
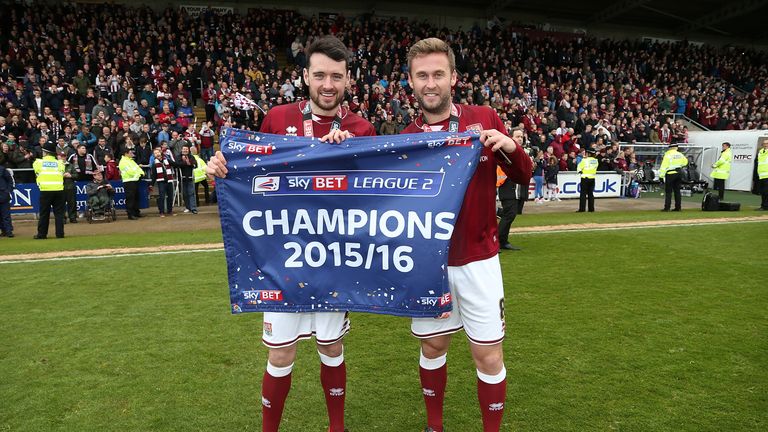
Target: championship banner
26 196
359 226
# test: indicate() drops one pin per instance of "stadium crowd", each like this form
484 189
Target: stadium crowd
109 78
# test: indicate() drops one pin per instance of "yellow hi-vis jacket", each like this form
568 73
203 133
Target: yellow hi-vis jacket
50 173
587 167
199 172
762 164
722 168
672 162
130 170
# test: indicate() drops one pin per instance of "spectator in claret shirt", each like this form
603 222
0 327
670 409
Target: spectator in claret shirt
111 172
166 116
206 140
620 163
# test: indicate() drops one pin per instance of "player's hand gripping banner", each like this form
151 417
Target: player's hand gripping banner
359 226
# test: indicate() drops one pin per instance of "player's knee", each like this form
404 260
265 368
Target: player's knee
332 350
282 357
435 347
489 361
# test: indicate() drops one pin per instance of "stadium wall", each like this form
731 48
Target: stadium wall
744 145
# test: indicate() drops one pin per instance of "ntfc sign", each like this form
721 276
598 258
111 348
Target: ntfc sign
21 199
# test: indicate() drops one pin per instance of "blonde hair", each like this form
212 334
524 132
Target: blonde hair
431 46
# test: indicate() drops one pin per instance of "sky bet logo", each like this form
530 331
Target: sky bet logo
318 183
362 182
257 149
443 300
453 141
263 295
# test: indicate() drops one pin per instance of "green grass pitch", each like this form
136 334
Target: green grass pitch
661 329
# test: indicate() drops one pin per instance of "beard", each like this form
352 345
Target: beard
438 107
324 105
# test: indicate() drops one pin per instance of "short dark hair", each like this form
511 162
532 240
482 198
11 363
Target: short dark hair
330 46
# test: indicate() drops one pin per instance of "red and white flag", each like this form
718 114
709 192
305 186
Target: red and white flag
242 102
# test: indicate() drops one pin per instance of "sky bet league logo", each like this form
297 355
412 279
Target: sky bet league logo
443 300
378 183
257 149
258 296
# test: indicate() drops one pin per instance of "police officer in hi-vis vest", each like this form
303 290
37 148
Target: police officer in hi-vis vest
50 180
588 170
762 174
721 169
131 174
670 173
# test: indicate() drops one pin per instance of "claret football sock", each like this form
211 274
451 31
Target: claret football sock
434 376
333 378
492 393
274 390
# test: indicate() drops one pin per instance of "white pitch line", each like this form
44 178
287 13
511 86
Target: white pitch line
560 231
110 256
617 228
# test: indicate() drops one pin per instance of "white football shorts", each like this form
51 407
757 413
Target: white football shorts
284 329
477 292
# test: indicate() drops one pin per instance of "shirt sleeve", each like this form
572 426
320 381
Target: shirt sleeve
266 124
519 168
371 131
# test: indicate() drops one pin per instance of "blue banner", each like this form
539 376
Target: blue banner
360 226
26 196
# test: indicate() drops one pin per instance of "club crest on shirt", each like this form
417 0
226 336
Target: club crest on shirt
291 131
475 128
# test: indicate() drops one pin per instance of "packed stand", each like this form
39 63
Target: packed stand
100 80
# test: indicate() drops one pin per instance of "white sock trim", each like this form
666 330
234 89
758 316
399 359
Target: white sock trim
279 372
331 361
493 379
432 364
